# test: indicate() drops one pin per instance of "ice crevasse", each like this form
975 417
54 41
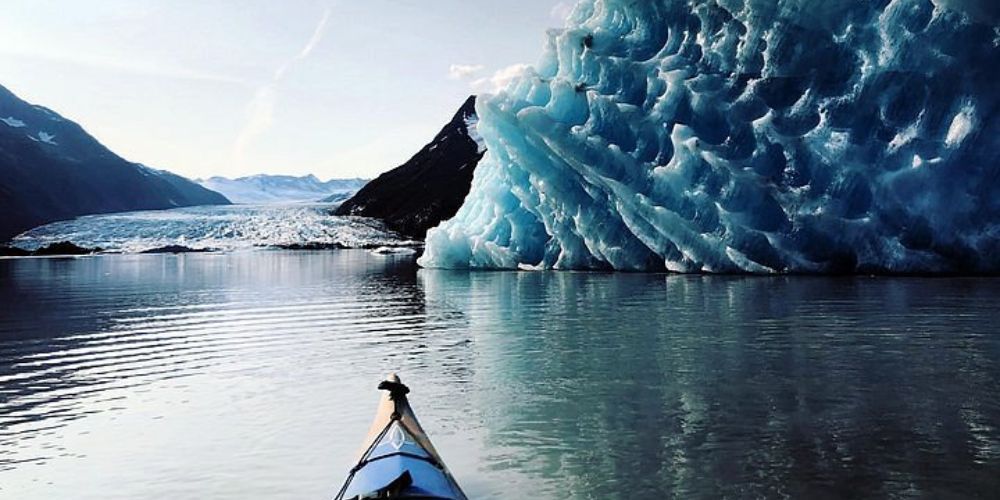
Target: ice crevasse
744 136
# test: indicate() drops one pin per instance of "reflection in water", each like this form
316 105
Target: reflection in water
170 376
251 374
640 386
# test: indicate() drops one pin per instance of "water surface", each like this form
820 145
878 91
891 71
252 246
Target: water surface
252 374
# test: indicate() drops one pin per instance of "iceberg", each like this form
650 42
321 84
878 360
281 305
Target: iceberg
743 136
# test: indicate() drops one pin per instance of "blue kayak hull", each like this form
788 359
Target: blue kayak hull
399 460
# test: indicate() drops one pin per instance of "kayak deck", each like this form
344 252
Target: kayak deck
398 459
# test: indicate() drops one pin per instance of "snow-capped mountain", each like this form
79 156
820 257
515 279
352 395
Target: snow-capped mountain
52 169
429 187
267 189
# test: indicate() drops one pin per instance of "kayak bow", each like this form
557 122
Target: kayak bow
398 460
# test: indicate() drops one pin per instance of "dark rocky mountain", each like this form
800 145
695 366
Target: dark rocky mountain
428 188
52 169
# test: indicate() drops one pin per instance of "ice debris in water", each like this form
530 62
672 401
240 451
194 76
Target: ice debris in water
739 136
393 251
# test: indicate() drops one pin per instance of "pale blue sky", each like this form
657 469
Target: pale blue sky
339 88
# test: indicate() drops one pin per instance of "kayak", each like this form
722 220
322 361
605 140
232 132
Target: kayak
397 459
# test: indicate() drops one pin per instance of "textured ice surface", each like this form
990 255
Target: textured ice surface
215 227
740 135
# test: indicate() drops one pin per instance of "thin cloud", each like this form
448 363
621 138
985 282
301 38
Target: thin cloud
500 79
316 36
131 67
307 49
260 109
463 71
561 11
260 113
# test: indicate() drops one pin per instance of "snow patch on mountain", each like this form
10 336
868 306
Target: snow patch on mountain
472 127
12 122
47 138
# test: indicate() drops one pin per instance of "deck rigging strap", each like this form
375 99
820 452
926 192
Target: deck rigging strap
397 394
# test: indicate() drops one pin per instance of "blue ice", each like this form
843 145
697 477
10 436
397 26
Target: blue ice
743 136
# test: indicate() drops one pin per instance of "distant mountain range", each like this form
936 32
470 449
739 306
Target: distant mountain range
52 169
431 186
267 189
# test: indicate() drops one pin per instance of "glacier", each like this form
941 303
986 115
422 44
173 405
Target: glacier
222 228
743 136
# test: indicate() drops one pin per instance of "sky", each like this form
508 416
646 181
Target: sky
335 88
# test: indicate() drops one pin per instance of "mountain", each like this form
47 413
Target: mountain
786 136
428 188
338 197
52 169
265 189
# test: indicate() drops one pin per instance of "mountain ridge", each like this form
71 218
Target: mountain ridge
430 186
268 188
52 169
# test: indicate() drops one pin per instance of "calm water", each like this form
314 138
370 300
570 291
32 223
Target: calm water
252 375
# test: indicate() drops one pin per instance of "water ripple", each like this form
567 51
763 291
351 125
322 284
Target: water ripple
120 378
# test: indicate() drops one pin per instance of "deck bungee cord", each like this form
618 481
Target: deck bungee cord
398 461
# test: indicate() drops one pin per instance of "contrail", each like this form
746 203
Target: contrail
260 109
